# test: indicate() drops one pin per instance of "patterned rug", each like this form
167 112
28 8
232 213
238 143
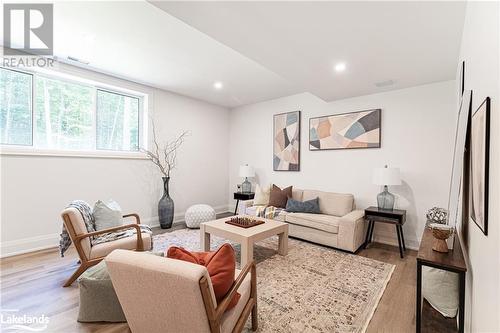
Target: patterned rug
312 289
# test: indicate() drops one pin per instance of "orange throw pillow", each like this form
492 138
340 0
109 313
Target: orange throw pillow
220 266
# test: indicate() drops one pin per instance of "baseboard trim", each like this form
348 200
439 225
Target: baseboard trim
44 242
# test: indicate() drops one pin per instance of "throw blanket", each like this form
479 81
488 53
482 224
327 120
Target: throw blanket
268 212
88 219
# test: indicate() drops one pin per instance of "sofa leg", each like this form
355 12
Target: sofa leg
76 274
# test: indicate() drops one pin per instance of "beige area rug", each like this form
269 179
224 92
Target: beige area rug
312 289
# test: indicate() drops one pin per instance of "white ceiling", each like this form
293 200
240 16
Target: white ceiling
411 43
263 50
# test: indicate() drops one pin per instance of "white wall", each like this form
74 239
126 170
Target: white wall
480 50
417 136
34 189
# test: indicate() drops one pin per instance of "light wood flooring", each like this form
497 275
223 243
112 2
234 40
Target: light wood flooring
33 282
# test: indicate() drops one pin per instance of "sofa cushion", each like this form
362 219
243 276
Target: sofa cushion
279 197
309 206
323 222
337 204
297 194
261 195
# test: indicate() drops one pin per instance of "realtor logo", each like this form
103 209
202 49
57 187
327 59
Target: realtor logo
28 29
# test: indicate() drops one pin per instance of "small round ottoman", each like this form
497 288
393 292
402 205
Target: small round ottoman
197 214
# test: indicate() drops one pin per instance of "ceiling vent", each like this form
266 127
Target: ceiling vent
387 83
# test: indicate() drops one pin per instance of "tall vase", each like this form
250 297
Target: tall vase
166 207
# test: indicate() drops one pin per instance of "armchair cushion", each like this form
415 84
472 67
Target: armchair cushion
220 264
127 243
107 215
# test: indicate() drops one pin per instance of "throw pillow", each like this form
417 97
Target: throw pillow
278 197
261 197
309 206
107 215
220 266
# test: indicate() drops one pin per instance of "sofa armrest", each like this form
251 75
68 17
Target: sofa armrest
352 230
243 205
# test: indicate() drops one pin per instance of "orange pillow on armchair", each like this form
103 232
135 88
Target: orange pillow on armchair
220 266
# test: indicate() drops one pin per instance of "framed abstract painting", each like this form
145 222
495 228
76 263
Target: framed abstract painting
286 141
353 130
479 165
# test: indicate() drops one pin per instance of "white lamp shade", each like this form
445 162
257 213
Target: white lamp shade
246 171
386 176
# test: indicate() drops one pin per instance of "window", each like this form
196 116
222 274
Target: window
63 115
15 104
51 113
117 121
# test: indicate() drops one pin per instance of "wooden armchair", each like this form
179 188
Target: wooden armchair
178 295
92 255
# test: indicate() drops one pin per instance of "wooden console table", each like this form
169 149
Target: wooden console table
453 261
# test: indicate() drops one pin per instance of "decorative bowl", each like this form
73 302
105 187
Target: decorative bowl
441 233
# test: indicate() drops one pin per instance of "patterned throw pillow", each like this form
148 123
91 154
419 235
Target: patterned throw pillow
309 206
279 197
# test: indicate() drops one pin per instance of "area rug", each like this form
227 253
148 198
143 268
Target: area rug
311 289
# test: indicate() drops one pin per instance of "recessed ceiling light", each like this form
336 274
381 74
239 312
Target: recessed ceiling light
218 85
340 67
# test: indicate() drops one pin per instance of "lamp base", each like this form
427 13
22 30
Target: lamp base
246 186
385 199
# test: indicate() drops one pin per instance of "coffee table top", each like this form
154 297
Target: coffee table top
268 227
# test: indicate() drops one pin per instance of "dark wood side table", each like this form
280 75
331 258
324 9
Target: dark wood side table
453 261
242 196
394 216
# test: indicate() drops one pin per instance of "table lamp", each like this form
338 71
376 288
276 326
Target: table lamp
246 171
386 176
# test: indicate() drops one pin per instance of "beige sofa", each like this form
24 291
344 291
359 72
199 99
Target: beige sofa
339 225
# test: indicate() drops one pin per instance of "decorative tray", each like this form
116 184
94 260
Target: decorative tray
244 222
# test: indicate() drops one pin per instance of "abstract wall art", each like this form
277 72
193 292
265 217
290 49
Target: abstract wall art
346 131
286 141
479 171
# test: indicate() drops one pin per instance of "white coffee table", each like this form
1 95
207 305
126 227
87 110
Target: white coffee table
245 236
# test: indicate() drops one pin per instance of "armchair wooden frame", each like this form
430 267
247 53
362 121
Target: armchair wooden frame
215 313
86 262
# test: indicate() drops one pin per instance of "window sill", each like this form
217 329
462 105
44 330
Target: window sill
20 151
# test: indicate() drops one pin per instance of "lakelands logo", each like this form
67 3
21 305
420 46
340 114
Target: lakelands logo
28 34
11 321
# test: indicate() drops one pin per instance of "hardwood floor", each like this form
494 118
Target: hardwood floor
33 282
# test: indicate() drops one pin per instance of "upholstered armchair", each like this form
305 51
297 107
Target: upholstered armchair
167 295
92 255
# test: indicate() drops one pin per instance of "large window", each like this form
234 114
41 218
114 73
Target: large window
50 113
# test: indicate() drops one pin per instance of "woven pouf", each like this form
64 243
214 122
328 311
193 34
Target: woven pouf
197 214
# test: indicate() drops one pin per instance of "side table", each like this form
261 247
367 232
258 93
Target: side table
242 196
394 216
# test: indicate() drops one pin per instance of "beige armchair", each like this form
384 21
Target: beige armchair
166 295
92 255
